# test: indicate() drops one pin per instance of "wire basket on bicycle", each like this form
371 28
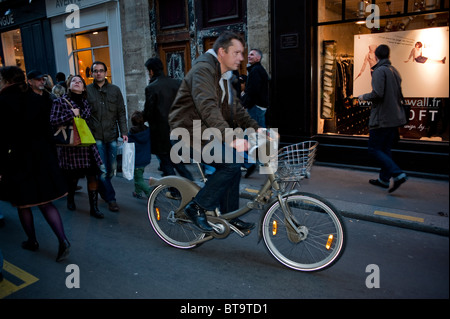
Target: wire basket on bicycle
295 161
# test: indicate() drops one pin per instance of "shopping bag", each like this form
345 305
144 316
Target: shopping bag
128 156
86 137
66 135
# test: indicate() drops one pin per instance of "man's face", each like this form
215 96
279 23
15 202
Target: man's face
231 59
99 72
253 57
37 84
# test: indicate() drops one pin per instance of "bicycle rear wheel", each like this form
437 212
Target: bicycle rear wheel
310 238
168 220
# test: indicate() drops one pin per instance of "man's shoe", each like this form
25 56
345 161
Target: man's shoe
241 225
399 180
198 216
112 205
378 183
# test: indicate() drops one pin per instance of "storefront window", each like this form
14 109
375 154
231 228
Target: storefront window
87 48
346 55
12 49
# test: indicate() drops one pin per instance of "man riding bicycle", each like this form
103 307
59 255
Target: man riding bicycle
206 96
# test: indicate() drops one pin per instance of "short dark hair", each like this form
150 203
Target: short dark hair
224 40
154 64
382 52
137 118
12 74
60 77
99 62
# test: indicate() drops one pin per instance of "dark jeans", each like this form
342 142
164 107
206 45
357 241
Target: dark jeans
108 154
380 145
222 188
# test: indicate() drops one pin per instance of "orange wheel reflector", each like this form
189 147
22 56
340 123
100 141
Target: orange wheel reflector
274 227
329 242
158 215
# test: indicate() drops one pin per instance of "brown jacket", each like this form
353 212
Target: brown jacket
199 98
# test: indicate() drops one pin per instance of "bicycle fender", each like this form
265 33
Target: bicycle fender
186 187
273 201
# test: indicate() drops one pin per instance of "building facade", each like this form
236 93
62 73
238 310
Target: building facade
317 53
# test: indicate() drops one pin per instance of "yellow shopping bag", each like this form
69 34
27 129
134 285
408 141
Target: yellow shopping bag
84 132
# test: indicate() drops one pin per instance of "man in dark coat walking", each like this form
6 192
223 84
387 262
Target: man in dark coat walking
255 97
159 95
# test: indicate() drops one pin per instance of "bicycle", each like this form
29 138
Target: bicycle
301 230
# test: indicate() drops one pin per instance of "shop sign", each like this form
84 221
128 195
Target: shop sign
289 41
58 7
15 14
6 20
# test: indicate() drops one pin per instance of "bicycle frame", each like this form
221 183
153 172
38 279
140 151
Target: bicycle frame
188 189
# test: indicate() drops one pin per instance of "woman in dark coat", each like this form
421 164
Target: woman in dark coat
77 161
29 172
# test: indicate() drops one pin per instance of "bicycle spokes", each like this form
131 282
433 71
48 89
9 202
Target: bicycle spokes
307 235
168 220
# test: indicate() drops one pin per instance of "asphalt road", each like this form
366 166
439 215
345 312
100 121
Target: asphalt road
121 258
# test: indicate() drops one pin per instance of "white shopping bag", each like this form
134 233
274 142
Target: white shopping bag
128 156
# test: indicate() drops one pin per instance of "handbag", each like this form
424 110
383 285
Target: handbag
66 135
77 134
85 134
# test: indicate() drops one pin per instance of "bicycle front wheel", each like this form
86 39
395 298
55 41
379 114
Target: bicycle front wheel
308 236
168 220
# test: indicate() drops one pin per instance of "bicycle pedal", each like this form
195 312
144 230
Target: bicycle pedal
242 233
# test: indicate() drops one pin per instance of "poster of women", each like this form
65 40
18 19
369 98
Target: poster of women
421 57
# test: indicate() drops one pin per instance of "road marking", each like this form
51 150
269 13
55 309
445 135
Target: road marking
23 279
399 216
255 191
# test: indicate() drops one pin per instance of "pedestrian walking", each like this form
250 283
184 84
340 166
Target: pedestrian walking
140 135
77 161
255 97
386 116
29 172
107 118
159 95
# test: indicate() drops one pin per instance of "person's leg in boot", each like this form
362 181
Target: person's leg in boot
72 182
27 221
140 185
72 187
53 218
93 196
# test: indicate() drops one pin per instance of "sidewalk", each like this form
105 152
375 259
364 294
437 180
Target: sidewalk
419 204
